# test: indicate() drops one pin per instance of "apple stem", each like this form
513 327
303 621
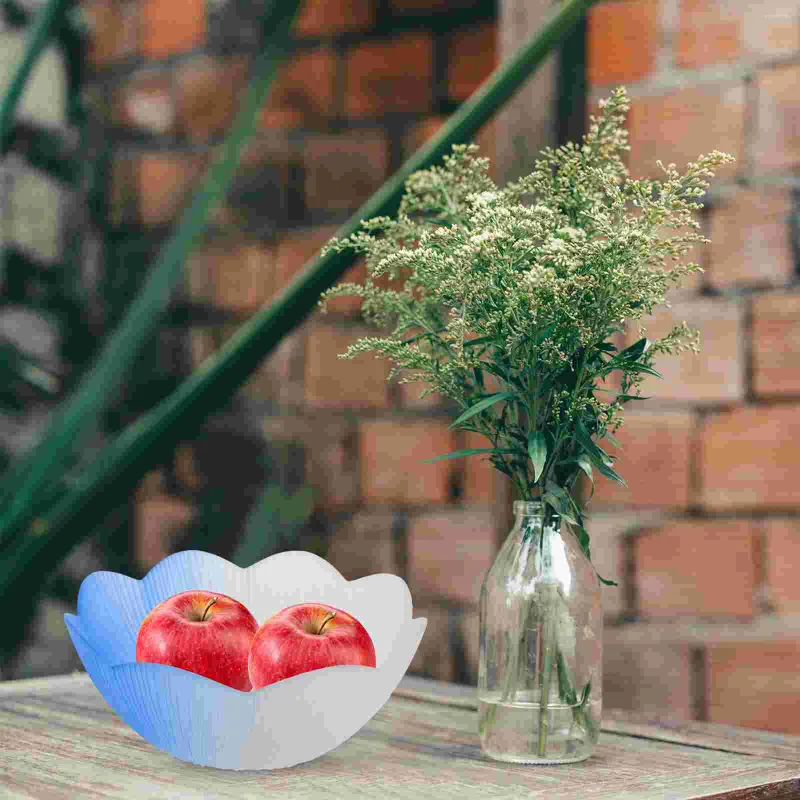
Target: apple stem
326 621
205 610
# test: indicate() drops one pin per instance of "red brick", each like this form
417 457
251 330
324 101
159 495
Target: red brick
202 344
471 58
776 344
234 276
654 460
145 102
331 458
684 124
394 75
715 375
750 458
303 91
782 554
168 27
392 452
710 33
690 285
608 535
329 17
449 553
344 170
434 656
208 94
153 484
364 544
421 132
771 31
754 685
158 520
331 382
697 568
296 249
332 469
483 483
408 394
622 41
777 144
750 240
654 680
279 378
114 32
164 183
186 468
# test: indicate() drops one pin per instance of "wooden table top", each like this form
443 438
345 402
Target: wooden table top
60 740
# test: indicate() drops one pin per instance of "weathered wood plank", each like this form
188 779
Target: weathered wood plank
764 628
59 739
661 728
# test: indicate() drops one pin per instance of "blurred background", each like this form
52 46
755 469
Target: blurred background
116 126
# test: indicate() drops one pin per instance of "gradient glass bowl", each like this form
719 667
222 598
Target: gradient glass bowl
199 720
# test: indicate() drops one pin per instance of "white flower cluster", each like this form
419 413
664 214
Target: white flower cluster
540 274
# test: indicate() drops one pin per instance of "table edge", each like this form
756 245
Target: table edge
664 728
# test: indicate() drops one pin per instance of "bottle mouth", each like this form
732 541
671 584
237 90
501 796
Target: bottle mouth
531 508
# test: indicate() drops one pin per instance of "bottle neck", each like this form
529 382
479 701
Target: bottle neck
535 512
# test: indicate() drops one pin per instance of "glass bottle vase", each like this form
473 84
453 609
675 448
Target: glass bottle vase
541 659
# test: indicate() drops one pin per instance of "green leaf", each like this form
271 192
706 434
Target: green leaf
647 370
585 464
603 580
585 694
468 452
606 471
599 458
620 396
506 376
559 499
611 439
565 689
635 351
481 405
583 539
481 340
537 450
544 333
478 373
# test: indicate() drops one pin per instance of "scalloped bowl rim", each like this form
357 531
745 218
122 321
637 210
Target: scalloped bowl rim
104 638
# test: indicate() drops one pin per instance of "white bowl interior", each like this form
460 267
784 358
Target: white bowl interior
202 721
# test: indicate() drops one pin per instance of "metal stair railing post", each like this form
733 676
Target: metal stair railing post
44 24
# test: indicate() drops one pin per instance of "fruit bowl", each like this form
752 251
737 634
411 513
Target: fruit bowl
199 720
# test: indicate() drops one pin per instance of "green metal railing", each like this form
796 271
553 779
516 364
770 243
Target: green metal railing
44 516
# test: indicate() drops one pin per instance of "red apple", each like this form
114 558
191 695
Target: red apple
203 632
305 637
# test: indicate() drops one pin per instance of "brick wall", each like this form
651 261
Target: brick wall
368 84
709 530
702 541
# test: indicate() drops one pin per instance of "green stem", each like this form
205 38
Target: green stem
548 648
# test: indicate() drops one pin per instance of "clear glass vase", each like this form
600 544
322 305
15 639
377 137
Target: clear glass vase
541 656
